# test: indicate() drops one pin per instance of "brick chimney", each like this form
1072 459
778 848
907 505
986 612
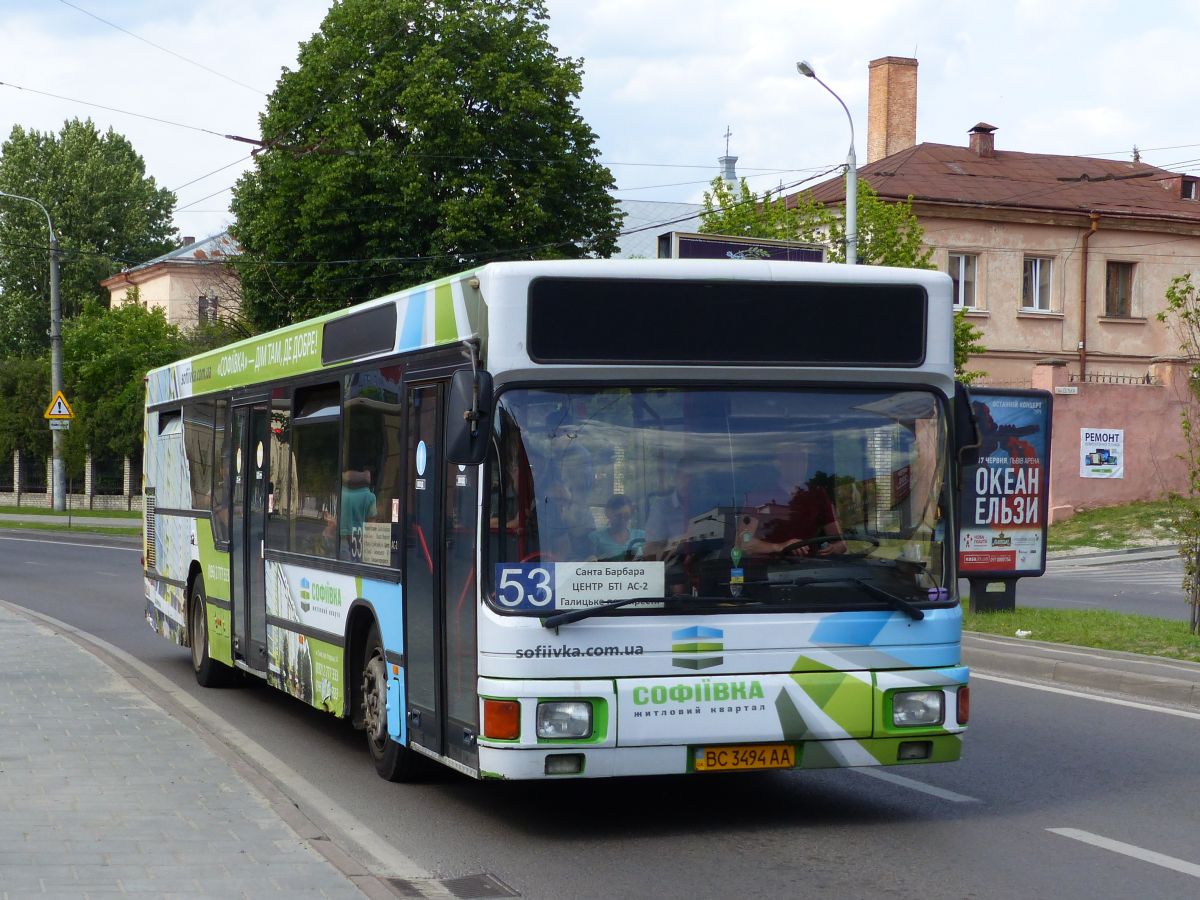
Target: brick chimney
188 240
891 106
983 142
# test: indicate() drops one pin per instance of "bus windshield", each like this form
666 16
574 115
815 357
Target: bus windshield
727 497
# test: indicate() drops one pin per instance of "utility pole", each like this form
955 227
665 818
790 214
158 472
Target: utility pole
58 471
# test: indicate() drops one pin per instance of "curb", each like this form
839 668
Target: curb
1159 551
1175 683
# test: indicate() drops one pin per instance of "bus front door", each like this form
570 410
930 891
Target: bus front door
251 488
439 591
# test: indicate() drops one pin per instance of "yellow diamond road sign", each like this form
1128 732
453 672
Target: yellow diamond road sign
58 408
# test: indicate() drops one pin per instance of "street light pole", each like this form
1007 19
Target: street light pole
851 171
58 472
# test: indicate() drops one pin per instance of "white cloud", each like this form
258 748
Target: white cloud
662 80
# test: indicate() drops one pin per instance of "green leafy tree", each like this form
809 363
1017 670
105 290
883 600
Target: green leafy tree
743 213
414 139
888 235
106 212
24 393
107 354
1182 315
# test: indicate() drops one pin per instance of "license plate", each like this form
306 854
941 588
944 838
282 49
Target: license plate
746 756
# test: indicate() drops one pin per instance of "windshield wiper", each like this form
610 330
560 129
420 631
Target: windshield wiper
898 602
574 615
874 590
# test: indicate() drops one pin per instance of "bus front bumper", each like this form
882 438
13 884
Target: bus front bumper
678 725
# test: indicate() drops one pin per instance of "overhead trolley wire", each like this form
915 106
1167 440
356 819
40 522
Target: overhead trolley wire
166 50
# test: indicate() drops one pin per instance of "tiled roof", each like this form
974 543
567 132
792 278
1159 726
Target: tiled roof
206 250
942 173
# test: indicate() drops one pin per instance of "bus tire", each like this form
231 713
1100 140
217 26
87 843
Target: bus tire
209 672
392 761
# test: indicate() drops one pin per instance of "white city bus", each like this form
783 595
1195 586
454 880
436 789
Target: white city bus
581 519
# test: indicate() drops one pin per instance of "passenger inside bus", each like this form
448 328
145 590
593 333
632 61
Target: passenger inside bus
792 513
669 514
618 540
358 506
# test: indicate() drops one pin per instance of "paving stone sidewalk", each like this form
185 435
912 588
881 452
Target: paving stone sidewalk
103 793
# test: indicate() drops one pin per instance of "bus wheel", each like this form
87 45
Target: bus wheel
209 672
392 761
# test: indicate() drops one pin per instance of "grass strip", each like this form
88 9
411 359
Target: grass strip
1140 524
1097 628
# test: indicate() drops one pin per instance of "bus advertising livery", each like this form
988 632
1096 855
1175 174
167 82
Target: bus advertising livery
582 519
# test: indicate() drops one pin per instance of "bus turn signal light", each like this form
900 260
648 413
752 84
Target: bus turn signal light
501 719
964 704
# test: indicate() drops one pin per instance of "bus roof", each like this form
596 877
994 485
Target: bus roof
453 309
443 312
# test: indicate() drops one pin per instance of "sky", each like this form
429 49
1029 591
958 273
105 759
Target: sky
664 80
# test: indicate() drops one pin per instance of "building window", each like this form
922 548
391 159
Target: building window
207 310
1035 285
1118 290
962 272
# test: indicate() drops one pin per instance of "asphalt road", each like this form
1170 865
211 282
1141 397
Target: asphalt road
1060 793
1147 587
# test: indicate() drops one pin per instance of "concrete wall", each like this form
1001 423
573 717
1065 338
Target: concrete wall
1016 339
1154 443
176 288
130 497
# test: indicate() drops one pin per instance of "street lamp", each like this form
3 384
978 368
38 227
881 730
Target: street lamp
851 172
58 473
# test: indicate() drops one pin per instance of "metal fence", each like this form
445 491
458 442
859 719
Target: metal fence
108 476
1108 378
33 473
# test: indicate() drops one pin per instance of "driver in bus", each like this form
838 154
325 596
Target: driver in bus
804 524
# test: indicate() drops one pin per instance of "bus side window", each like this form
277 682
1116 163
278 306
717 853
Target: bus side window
283 472
220 473
315 438
372 453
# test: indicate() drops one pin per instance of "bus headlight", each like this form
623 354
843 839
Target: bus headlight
564 719
918 708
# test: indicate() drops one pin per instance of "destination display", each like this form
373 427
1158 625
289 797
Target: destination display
549 586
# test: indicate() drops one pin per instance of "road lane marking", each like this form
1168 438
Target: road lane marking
1099 698
913 785
60 544
1150 856
1062 650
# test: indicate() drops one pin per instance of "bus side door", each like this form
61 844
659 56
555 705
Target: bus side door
439 590
251 487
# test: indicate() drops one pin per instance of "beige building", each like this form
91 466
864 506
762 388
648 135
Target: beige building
192 283
1052 256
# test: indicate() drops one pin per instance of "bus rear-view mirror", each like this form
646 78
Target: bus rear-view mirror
468 417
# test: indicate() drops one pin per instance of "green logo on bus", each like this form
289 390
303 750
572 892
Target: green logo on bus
329 594
697 647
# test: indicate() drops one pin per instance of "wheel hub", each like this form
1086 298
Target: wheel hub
375 699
